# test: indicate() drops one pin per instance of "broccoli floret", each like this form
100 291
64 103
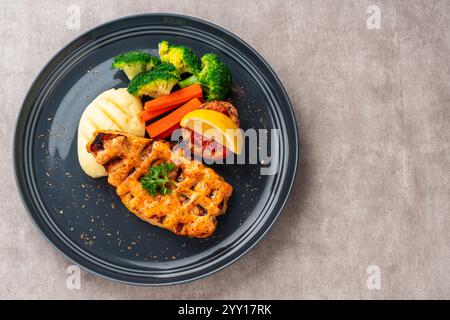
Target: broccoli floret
166 67
152 83
183 58
135 62
152 63
215 78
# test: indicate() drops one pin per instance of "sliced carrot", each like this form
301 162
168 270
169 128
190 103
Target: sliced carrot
162 125
158 106
168 132
152 114
178 97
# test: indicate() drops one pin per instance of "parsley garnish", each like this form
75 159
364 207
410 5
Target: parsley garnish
157 179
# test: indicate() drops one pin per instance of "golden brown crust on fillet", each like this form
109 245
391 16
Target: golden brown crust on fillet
198 194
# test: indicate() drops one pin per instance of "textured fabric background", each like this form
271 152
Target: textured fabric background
373 110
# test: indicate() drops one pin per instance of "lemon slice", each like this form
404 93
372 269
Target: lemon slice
216 126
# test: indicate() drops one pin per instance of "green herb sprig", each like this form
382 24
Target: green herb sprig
157 179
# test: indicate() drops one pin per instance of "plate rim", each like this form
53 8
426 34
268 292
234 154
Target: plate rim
255 239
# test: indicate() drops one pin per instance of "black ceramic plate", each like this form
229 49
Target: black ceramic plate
83 218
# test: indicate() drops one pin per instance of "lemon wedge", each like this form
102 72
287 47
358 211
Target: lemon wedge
216 126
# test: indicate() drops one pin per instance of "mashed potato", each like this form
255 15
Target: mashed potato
114 109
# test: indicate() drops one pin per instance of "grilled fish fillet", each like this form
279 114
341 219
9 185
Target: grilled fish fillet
198 195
